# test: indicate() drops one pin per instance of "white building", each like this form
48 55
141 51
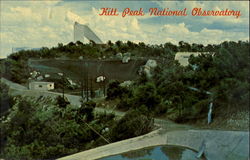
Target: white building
183 57
82 31
100 79
45 86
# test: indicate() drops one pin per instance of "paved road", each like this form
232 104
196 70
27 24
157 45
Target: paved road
17 89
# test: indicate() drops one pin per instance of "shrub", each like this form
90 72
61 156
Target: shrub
6 101
62 102
132 124
86 111
146 95
115 90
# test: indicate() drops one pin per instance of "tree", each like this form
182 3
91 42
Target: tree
130 125
115 90
146 95
6 101
171 47
62 101
118 43
184 46
79 43
86 111
70 44
131 45
110 43
142 44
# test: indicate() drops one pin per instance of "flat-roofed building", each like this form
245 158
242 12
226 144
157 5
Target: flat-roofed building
45 86
182 57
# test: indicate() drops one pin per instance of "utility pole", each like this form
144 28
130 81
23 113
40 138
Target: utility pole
103 83
97 133
92 95
82 70
104 88
87 84
63 78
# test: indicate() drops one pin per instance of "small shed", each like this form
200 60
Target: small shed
45 86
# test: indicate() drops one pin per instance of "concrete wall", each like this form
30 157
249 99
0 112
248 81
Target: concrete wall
220 145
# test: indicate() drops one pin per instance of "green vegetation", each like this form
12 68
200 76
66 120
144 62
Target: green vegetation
132 124
224 74
6 101
46 128
17 69
50 128
115 90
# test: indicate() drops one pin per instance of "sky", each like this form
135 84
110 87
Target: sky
41 23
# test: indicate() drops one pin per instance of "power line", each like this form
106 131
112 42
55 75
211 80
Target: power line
96 132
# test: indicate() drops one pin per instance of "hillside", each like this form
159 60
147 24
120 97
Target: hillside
211 92
75 69
224 74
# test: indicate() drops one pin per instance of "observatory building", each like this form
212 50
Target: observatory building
44 86
83 31
182 57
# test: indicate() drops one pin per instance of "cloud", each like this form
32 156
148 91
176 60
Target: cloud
178 29
22 10
30 26
74 17
202 22
46 23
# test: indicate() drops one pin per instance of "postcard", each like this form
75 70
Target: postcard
124 80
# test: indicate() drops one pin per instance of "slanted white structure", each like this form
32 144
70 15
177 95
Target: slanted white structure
82 31
183 57
44 86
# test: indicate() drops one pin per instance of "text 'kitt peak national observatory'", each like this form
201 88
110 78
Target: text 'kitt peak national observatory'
169 12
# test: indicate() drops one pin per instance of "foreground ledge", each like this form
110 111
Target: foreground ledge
220 145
